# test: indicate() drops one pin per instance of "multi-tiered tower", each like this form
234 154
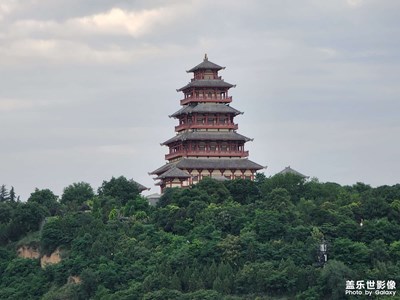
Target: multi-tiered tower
206 143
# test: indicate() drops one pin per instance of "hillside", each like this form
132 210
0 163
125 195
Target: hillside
235 239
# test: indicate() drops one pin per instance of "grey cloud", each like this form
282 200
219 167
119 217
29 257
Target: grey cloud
317 82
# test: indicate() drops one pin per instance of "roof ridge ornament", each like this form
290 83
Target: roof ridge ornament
205 57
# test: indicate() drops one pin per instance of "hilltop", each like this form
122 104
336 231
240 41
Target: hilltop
237 239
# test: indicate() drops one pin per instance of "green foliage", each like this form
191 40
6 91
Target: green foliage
279 200
294 184
216 190
65 292
53 235
4 194
6 213
243 191
333 279
22 279
46 198
217 240
76 194
26 217
31 239
120 189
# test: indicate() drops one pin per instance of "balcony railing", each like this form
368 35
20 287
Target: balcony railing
206 126
206 99
206 153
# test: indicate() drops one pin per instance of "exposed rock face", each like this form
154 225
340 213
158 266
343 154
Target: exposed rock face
74 279
54 258
32 252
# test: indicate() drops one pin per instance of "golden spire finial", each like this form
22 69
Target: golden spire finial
205 57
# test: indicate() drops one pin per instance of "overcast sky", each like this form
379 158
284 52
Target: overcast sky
86 87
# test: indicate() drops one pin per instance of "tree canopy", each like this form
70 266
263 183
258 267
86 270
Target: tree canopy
236 239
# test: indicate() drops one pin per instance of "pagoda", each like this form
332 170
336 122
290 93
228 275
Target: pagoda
206 143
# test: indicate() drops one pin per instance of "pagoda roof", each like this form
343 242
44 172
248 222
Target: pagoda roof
289 170
212 83
210 163
206 65
140 186
207 108
208 136
174 172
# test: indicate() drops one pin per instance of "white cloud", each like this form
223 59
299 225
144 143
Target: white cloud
58 51
115 22
12 105
6 7
76 39
118 21
354 3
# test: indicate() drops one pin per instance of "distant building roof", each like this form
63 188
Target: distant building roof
153 198
140 186
220 178
174 172
207 108
210 163
206 65
289 170
212 83
208 136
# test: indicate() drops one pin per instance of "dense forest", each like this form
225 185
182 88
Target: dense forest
236 239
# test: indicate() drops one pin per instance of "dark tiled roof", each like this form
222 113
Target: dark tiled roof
210 163
207 108
212 83
140 187
206 65
208 136
174 172
289 170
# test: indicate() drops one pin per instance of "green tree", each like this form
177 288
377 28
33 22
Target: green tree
6 213
353 253
119 188
243 191
175 283
45 198
278 199
292 183
373 207
53 235
102 206
216 190
218 285
12 195
76 194
4 195
378 251
27 218
22 279
333 279
394 250
269 225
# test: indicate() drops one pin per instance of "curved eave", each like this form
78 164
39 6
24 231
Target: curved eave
207 136
198 163
206 108
162 169
205 65
173 172
237 164
206 84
